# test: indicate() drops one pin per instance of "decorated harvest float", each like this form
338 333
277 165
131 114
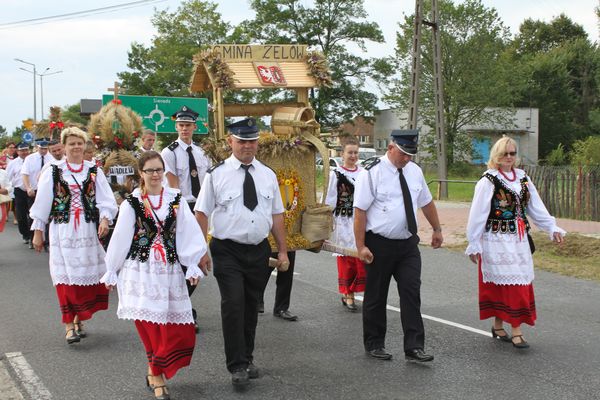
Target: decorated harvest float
292 145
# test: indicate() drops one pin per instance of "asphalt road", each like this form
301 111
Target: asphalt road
321 355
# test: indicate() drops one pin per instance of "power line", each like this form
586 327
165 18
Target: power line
61 17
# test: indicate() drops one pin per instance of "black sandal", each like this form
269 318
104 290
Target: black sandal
522 344
164 393
72 338
505 338
79 329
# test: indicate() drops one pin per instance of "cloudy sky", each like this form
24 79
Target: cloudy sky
91 50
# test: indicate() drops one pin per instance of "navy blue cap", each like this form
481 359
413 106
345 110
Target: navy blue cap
406 139
22 145
43 143
185 114
245 129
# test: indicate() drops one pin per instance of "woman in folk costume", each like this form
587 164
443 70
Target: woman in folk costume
77 200
504 202
153 236
340 195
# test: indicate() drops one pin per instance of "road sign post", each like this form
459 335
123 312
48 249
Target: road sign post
156 111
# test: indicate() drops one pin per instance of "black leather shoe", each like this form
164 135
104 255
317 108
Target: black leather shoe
379 354
261 307
253 371
505 338
417 355
239 377
521 344
288 316
351 306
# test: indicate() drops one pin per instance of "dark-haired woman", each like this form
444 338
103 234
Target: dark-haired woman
77 199
153 236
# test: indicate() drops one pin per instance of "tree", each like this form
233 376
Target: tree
2 131
331 27
477 75
72 114
538 36
164 68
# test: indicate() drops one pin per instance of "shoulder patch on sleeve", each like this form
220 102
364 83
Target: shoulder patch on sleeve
173 146
217 165
372 164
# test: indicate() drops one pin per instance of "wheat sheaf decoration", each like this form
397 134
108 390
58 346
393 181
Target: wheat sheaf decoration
115 127
223 76
318 68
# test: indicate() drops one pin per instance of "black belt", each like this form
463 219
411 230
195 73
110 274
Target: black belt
378 236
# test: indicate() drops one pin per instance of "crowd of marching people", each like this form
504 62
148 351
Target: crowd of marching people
189 218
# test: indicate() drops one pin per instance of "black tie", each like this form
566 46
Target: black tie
193 173
42 163
408 206
250 200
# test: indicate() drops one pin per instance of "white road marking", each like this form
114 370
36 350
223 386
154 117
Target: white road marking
440 320
28 378
8 389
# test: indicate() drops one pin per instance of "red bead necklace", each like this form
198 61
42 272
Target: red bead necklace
159 202
507 178
73 170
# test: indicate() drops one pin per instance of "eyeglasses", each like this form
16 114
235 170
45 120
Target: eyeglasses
152 171
510 153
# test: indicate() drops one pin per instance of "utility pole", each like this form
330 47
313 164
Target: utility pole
42 75
438 87
34 94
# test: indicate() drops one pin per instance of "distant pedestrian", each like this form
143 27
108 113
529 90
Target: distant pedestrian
242 199
75 198
5 198
147 140
22 202
340 196
387 195
505 200
153 235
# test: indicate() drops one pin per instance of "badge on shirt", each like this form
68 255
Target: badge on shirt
194 173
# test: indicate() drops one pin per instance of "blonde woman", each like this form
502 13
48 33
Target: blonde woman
340 195
75 198
504 202
153 236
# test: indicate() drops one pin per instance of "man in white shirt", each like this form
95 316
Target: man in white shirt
22 202
386 196
147 140
241 197
32 167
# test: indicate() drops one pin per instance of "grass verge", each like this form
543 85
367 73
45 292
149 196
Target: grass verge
577 257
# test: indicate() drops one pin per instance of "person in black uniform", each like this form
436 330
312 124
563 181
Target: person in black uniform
241 197
283 291
386 196
185 167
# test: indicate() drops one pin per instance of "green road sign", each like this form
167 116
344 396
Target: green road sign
156 111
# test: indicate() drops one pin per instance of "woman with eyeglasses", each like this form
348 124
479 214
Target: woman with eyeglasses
74 197
504 203
153 236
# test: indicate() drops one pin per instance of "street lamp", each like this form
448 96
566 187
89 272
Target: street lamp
34 74
42 75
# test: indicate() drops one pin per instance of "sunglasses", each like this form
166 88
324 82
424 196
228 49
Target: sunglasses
510 153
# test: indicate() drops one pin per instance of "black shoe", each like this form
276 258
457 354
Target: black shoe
72 337
253 371
417 355
351 306
379 354
505 338
261 307
25 241
30 245
239 377
522 344
288 316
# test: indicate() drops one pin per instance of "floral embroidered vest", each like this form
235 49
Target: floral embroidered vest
345 196
61 203
146 230
507 206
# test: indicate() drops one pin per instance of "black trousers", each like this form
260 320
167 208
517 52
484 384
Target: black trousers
22 205
402 260
284 283
242 273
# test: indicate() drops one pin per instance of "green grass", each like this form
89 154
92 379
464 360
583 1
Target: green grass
456 191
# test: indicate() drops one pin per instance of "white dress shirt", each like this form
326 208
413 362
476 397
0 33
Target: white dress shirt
377 191
14 173
222 199
177 163
32 166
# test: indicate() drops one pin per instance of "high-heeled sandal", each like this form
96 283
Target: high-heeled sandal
149 386
71 338
522 344
79 329
344 301
505 338
164 394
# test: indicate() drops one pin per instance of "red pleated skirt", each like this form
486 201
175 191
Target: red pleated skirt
81 301
351 275
169 347
514 304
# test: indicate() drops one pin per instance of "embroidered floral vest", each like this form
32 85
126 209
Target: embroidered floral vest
345 196
61 203
507 206
146 230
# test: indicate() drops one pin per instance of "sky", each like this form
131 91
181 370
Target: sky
91 50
